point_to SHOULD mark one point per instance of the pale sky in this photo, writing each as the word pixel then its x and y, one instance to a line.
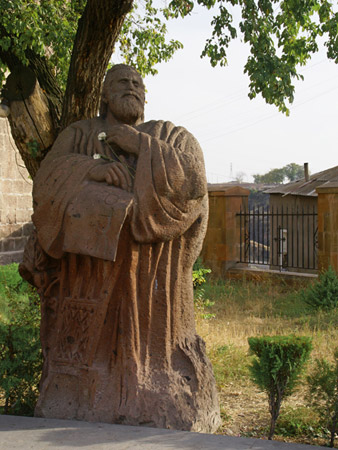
pixel 235 133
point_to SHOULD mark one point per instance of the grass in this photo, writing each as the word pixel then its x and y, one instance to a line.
pixel 245 308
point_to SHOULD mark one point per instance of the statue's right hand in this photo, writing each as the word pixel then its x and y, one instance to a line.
pixel 115 174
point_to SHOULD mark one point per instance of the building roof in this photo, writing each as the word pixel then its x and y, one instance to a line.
pixel 252 186
pixel 306 188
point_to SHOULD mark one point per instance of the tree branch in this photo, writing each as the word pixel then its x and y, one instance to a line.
pixel 97 32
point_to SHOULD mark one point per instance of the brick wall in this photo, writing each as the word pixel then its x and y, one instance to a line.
pixel 328 226
pixel 15 199
pixel 221 247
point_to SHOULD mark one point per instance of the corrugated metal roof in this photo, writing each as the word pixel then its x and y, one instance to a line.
pixel 306 188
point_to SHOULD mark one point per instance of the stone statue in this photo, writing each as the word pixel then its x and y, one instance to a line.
pixel 120 211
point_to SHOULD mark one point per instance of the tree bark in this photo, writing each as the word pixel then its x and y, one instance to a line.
pixel 98 29
pixel 38 118
pixel 32 128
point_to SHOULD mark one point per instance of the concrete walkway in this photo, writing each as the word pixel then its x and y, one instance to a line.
pixel 26 433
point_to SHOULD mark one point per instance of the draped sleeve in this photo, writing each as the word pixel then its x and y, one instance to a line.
pixel 72 213
pixel 170 185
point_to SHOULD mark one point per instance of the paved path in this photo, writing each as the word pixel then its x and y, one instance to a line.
pixel 26 433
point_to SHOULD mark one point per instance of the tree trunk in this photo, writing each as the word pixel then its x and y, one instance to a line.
pixel 36 120
pixel 98 29
pixel 32 128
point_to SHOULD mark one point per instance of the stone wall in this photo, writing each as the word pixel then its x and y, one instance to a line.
pixel 221 247
pixel 328 226
pixel 15 199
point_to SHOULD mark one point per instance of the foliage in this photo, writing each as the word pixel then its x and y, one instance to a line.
pixel 323 294
pixel 323 392
pixel 48 28
pixel 281 35
pixel 290 172
pixel 20 350
pixel 200 300
pixel 300 421
pixel 277 366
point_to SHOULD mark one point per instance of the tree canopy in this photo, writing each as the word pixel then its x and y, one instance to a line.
pixel 290 172
pixel 68 44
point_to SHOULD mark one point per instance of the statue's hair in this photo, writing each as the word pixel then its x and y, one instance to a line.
pixel 103 104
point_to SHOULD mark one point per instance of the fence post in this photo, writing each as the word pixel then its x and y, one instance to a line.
pixel 328 226
pixel 221 246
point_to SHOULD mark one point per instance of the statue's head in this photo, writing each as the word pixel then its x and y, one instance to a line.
pixel 123 95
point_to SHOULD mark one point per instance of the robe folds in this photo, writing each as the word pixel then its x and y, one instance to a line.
pixel 113 270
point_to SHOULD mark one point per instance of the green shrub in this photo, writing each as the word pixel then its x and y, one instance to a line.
pixel 323 392
pixel 20 350
pixel 276 368
pixel 323 294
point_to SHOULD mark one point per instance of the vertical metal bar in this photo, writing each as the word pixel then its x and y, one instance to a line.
pixel 253 234
pixel 292 237
pixel 272 237
pixel 258 235
pixel 313 237
pixel 268 236
pixel 302 237
pixel 297 240
pixel 287 236
pixel 263 235
pixel 249 233
pixel 308 237
pixel 240 234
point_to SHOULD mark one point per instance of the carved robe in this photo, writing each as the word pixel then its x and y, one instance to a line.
pixel 117 330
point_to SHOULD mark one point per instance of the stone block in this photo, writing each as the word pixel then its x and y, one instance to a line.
pixel 23 215
pixel 28 228
pixel 10 257
pixel 24 201
pixel 20 243
pixel 8 245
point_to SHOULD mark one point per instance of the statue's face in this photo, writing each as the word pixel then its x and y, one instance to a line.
pixel 124 95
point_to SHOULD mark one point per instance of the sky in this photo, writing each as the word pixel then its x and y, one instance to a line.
pixel 239 136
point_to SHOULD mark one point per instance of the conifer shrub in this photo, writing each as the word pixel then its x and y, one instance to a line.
pixel 276 368
pixel 20 349
pixel 323 392
pixel 323 294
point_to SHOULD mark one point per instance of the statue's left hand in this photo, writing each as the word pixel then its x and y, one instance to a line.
pixel 125 137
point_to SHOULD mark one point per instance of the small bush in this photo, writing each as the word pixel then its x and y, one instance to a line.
pixel 323 392
pixel 323 294
pixel 277 366
pixel 20 350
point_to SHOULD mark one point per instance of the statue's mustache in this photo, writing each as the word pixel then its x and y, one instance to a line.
pixel 133 94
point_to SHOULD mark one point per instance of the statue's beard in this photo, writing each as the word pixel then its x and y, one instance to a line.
pixel 127 109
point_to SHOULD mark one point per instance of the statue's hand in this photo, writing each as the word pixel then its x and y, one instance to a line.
pixel 125 137
pixel 115 174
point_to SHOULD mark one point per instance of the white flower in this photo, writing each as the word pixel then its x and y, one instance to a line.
pixel 96 156
pixel 102 136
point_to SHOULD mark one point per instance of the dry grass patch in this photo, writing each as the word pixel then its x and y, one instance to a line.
pixel 243 309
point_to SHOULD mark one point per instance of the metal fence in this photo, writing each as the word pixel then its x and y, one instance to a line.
pixel 280 238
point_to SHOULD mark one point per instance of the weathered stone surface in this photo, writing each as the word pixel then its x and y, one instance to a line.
pixel 112 256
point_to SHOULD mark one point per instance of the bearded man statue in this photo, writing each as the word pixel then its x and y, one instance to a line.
pixel 120 212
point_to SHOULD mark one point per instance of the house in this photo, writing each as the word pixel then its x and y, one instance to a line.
pixel 293 221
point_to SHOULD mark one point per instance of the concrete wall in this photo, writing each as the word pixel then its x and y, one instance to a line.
pixel 15 199
pixel 221 248
pixel 328 226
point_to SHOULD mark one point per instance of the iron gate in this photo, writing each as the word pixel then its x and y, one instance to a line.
pixel 280 238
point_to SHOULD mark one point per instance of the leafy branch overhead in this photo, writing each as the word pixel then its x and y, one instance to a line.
pixel 67 46
pixel 281 35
